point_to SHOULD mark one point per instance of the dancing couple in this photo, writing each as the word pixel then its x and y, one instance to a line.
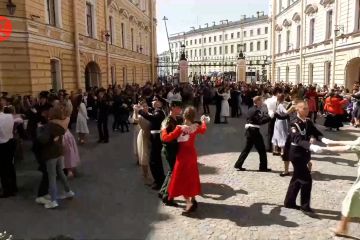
pixel 183 179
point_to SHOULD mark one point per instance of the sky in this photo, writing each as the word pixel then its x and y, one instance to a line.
pixel 184 14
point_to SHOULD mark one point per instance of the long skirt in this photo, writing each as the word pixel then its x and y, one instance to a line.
pixel 71 152
pixel 333 121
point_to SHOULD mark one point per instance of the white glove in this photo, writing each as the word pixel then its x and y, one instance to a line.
pixel 326 141
pixel 356 142
pixel 205 118
pixel 316 148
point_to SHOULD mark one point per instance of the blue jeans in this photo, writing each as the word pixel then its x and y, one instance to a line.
pixel 55 167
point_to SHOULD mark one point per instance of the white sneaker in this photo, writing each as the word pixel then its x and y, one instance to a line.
pixel 67 195
pixel 43 200
pixel 51 205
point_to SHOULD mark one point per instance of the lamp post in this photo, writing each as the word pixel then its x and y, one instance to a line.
pixel 11 7
pixel 171 55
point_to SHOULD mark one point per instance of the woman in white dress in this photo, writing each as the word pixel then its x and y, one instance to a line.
pixel 81 120
pixel 143 142
pixel 225 108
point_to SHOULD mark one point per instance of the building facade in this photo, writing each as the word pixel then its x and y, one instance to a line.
pixel 77 44
pixel 316 41
pixel 215 49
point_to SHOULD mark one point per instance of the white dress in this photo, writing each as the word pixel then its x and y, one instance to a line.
pixel 280 128
pixel 81 120
pixel 225 108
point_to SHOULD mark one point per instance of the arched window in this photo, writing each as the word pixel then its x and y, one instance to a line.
pixel 55 68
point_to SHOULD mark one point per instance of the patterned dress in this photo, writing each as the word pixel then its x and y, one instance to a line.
pixel 351 203
pixel 280 128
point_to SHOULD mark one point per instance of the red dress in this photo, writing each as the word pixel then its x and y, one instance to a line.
pixel 185 179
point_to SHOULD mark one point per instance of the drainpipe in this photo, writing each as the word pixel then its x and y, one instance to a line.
pixel 273 20
pixel 334 45
pixel 77 46
pixel 301 80
pixel 108 74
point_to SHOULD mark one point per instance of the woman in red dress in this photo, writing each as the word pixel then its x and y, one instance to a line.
pixel 185 179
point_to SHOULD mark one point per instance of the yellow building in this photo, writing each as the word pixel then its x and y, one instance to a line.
pixel 77 44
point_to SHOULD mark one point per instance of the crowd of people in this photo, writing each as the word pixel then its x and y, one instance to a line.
pixel 164 119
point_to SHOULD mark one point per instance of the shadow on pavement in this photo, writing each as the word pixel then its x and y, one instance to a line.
pixel 337 161
pixel 207 170
pixel 318 176
pixel 219 192
pixel 243 216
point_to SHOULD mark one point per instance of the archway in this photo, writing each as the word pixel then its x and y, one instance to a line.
pixel 92 75
pixel 352 72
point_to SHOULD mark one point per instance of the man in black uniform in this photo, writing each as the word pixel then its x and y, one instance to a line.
pixel 256 117
pixel 156 118
pixel 103 116
pixel 170 149
pixel 300 142
pixel 218 100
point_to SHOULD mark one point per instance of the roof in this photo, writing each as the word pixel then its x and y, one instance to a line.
pixel 220 26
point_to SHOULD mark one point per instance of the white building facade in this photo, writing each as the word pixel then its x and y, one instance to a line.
pixel 215 49
pixel 316 42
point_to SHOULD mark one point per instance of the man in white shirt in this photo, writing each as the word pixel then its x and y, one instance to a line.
pixel 271 104
pixel 7 151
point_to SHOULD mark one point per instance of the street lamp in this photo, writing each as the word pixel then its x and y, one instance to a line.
pixel 107 36
pixel 11 7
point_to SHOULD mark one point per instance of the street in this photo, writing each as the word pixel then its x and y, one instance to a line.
pixel 113 203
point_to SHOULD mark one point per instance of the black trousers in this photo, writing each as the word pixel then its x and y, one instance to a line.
pixel 271 133
pixel 103 129
pixel 206 107
pixel 301 180
pixel 116 122
pixel 217 113
pixel 253 138
pixel 7 168
pixel 155 164
pixel 164 189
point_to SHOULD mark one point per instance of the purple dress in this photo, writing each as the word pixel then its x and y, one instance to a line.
pixel 71 152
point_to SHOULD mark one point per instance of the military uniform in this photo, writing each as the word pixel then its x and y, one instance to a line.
pixel 170 150
pixel 155 162
pixel 297 150
pixel 256 117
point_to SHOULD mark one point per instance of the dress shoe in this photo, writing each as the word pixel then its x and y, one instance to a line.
pixel 284 174
pixel 241 169
pixel 170 203
pixel 296 207
pixel 265 170
pixel 307 211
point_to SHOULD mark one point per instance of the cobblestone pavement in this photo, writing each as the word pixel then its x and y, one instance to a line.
pixel 113 203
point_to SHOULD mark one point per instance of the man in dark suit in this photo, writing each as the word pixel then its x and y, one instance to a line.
pixel 103 115
pixel 218 100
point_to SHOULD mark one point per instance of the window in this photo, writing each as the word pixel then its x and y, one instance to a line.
pixel 232 49
pixel 199 40
pixel 214 38
pixel 186 43
pixel 280 6
pixel 266 45
pixel 195 41
pixel 89 20
pixel 258 31
pixel 111 27
pixel 279 43
pixel 209 39
pixel 266 30
pixel 311 73
pixel 287 74
pixel 195 53
pixel 244 33
pixel 238 34
pixel 251 47
pixel 232 35
pixel 209 51
pixel 220 37
pixel 278 74
pixel 113 77
pixel 55 69
pixel 258 46
pixel 220 50
pixel 297 74
pixel 357 14
pixel 191 53
pixel 226 49
pixel 204 51
pixel 329 23
pixel 199 52
pixel 298 34
pixel 244 47
pixel 327 72
pixel 215 51
pixel 238 48
pixel 288 40
pixel 190 42
pixel 132 39
pixel 226 37
pixel 312 31
pixel 204 40
pixel 123 36
pixel 51 12
pixel 251 33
